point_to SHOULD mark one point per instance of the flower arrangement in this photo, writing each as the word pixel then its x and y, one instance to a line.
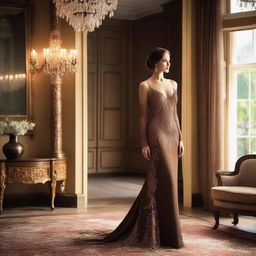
pixel 9 126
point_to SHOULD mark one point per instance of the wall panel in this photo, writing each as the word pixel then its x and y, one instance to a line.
pixel 114 48
pixel 92 157
pixel 92 114
pixel 111 125
pixel 108 104
pixel 112 90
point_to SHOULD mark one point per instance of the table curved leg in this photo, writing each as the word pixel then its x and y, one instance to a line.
pixel 53 185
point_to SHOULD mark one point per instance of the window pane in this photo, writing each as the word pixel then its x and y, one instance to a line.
pixel 236 7
pixel 243 46
pixel 243 85
pixel 253 146
pixel 242 146
pixel 253 118
pixel 253 84
pixel 243 118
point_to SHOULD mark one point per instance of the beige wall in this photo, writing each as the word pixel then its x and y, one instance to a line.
pixel 189 101
pixel 39 144
pixel 68 110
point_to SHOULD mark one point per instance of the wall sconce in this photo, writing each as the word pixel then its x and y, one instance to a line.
pixel 55 62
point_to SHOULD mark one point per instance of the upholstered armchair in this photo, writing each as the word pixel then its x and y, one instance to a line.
pixel 236 191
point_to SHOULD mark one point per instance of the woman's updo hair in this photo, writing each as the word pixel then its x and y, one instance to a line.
pixel 154 56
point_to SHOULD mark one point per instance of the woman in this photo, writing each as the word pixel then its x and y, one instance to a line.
pixel 153 219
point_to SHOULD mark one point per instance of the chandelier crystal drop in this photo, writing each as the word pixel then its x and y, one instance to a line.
pixel 85 15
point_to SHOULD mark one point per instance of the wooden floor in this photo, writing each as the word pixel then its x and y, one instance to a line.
pixel 112 193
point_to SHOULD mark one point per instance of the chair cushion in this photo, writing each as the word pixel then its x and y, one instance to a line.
pixel 237 194
pixel 232 206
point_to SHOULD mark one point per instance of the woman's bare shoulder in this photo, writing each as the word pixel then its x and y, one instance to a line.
pixel 173 83
pixel 145 84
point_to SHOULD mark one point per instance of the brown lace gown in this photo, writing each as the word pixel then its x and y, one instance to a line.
pixel 153 219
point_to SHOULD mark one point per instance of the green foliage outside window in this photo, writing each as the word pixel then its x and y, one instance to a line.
pixel 246 112
pixel 242 85
pixel 242 146
pixel 253 118
pixel 253 84
pixel 243 118
pixel 253 145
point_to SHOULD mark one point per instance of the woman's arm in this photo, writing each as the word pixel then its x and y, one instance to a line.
pixel 175 88
pixel 178 123
pixel 181 145
pixel 143 118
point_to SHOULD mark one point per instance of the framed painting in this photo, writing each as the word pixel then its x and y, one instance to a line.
pixel 15 45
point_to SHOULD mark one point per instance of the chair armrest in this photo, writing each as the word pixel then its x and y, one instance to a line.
pixel 232 178
pixel 227 178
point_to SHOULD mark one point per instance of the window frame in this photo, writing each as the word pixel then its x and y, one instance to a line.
pixel 232 111
pixel 232 22
pixel 227 9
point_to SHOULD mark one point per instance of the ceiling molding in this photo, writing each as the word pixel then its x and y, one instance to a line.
pixel 136 9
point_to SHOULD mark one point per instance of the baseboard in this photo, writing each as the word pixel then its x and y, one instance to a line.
pixel 66 200
pixel 197 200
pixel 41 199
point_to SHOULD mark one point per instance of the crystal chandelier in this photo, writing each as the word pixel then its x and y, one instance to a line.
pixel 85 15
pixel 56 60
pixel 245 3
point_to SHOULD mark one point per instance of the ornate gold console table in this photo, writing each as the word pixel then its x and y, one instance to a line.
pixel 32 171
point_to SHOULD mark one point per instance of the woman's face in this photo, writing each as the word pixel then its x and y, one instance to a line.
pixel 163 65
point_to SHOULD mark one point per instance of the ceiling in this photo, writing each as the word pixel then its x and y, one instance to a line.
pixel 135 9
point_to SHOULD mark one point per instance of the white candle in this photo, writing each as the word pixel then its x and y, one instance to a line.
pixel 33 54
pixel 73 53
pixel 46 52
pixel 63 51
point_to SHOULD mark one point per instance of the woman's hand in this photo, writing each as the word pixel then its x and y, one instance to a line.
pixel 146 152
pixel 181 149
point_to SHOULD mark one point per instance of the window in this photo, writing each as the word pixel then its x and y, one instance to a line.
pixel 242 97
pixel 235 7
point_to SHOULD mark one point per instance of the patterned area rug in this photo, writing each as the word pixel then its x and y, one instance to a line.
pixel 64 234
